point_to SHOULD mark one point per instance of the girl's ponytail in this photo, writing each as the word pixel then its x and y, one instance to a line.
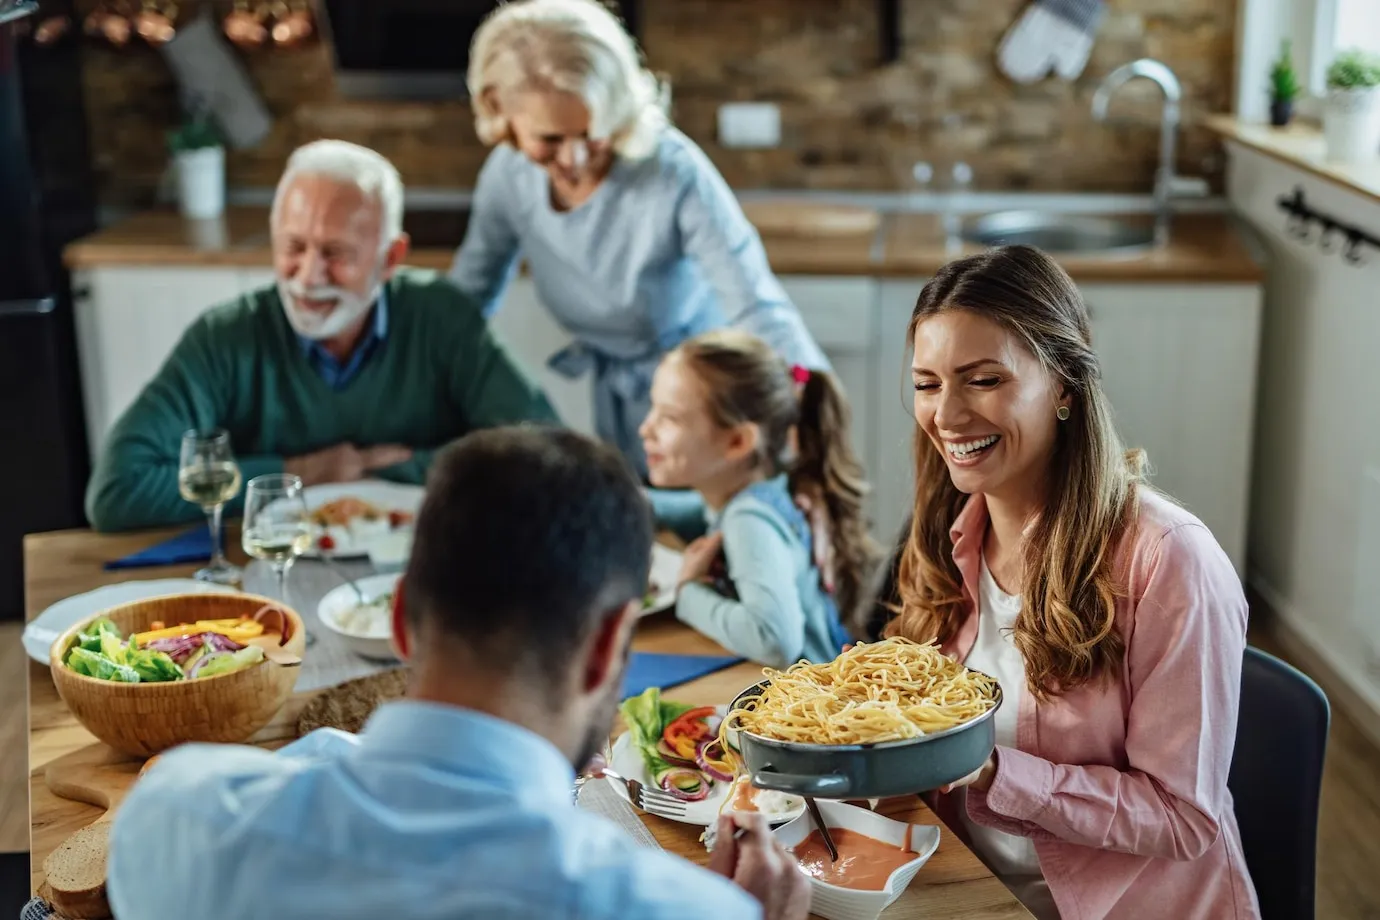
pixel 828 471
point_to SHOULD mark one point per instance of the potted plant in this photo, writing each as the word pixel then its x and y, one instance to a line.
pixel 1284 87
pixel 199 160
pixel 1351 119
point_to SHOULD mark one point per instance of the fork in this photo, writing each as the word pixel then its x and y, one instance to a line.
pixel 651 800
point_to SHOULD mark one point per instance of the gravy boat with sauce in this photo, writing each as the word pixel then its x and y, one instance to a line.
pixel 836 903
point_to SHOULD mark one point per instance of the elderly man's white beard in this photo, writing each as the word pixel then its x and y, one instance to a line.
pixel 349 308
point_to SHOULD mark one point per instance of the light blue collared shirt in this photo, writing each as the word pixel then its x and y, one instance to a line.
pixel 431 813
pixel 336 374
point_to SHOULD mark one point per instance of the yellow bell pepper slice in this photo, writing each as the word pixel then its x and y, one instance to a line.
pixel 238 630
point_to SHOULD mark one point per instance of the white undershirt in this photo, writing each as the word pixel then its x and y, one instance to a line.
pixel 994 653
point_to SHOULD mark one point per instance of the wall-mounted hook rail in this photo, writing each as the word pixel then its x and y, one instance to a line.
pixel 1332 235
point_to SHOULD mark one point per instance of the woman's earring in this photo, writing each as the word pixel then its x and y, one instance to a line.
pixel 1062 413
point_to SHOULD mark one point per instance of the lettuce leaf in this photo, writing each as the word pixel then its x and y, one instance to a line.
pixel 94 664
pixel 647 717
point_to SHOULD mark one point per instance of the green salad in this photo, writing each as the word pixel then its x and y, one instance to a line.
pixel 102 652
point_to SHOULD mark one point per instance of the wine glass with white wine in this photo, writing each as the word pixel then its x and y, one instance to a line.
pixel 277 528
pixel 207 475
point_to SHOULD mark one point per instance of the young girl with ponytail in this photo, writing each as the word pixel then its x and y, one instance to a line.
pixel 748 432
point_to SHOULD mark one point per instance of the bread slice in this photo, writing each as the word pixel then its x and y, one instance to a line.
pixel 349 705
pixel 75 874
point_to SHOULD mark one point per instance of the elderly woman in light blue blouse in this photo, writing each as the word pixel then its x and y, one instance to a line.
pixel 633 239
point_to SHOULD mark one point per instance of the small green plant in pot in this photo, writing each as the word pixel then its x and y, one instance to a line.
pixel 1351 120
pixel 199 160
pixel 1284 86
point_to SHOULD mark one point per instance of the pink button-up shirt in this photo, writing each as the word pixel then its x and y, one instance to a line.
pixel 1123 786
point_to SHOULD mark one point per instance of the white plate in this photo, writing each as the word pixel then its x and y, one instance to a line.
pixel 625 760
pixel 665 570
pixel 390 496
pixel 43 630
pixel 340 599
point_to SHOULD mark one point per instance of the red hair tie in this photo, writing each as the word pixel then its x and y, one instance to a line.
pixel 800 374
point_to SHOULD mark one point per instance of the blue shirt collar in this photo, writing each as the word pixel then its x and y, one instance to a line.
pixel 510 757
pixel 334 372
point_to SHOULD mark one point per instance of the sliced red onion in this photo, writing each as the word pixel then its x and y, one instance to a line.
pixel 201 663
pixel 667 784
pixel 706 767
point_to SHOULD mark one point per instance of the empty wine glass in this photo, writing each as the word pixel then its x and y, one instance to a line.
pixel 208 476
pixel 277 528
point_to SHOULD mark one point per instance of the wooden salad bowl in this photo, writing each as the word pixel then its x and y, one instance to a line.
pixel 142 719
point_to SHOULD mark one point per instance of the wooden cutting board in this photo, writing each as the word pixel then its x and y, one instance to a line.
pixel 97 775
pixel 807 219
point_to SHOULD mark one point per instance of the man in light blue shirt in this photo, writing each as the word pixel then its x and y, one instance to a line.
pixel 525 584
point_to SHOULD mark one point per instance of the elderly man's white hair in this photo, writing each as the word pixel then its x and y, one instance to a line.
pixel 574 46
pixel 367 169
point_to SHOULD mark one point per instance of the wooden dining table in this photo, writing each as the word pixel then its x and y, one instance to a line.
pixel 952 884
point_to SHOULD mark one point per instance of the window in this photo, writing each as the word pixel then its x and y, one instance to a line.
pixel 1338 25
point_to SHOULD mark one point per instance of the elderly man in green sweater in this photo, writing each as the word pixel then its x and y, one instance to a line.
pixel 349 367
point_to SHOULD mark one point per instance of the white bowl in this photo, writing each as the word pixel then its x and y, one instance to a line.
pixel 342 599
pixel 835 903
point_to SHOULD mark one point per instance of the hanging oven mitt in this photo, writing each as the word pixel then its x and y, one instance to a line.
pixel 1050 35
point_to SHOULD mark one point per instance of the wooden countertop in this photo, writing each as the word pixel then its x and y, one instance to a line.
pixel 799 239
pixel 953 883
pixel 1302 146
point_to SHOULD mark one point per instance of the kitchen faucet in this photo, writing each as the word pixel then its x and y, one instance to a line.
pixel 1166 182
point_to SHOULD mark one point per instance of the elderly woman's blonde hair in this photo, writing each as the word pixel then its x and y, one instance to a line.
pixel 573 46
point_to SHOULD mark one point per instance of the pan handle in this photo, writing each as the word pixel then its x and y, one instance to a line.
pixel 823 787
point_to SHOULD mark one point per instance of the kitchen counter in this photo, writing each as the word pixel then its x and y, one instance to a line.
pixel 1300 146
pixel 800 239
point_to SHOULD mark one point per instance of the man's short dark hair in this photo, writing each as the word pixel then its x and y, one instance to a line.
pixel 527 536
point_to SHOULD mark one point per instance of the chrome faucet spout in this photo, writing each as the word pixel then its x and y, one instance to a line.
pixel 1164 78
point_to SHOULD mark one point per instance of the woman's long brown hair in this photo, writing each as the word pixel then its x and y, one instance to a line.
pixel 745 381
pixel 1066 630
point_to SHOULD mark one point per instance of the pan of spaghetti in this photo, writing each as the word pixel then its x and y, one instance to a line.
pixel 884 718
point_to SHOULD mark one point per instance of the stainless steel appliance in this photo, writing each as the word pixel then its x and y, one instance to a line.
pixel 47 199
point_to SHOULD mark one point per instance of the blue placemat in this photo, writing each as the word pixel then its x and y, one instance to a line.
pixel 649 669
pixel 192 546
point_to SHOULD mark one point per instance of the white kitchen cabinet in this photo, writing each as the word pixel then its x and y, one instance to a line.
pixel 128 318
pixel 1179 367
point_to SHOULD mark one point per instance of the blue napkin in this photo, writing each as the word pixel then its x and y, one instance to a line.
pixel 649 669
pixel 192 546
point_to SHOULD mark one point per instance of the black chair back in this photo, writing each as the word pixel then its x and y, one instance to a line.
pixel 1275 780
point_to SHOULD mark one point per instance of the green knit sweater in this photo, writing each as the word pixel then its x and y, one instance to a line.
pixel 438 374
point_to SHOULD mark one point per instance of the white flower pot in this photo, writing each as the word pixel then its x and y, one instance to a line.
pixel 201 182
pixel 1351 124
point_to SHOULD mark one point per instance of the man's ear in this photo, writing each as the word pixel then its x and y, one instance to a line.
pixel 394 255
pixel 607 645
pixel 401 640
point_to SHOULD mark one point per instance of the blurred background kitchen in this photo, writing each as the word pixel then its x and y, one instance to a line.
pixel 870 140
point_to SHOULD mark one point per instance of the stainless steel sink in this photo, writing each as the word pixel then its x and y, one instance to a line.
pixel 1060 233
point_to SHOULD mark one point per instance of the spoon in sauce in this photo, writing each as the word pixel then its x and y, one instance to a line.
pixel 823 829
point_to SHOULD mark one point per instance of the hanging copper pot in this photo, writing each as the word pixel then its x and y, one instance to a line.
pixel 110 22
pixel 293 23
pixel 244 26
pixel 52 29
pixel 156 22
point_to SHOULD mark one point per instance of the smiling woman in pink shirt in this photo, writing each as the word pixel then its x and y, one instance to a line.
pixel 1109 614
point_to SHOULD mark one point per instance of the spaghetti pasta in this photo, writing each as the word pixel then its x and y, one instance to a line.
pixel 891 690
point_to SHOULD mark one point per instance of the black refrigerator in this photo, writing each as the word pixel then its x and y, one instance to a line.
pixel 47 200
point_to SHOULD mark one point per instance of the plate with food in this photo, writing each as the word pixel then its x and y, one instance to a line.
pixel 354 519
pixel 43 630
pixel 661 582
pixel 367 626
pixel 675 747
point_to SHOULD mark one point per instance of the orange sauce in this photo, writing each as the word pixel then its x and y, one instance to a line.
pixel 864 864
pixel 743 795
